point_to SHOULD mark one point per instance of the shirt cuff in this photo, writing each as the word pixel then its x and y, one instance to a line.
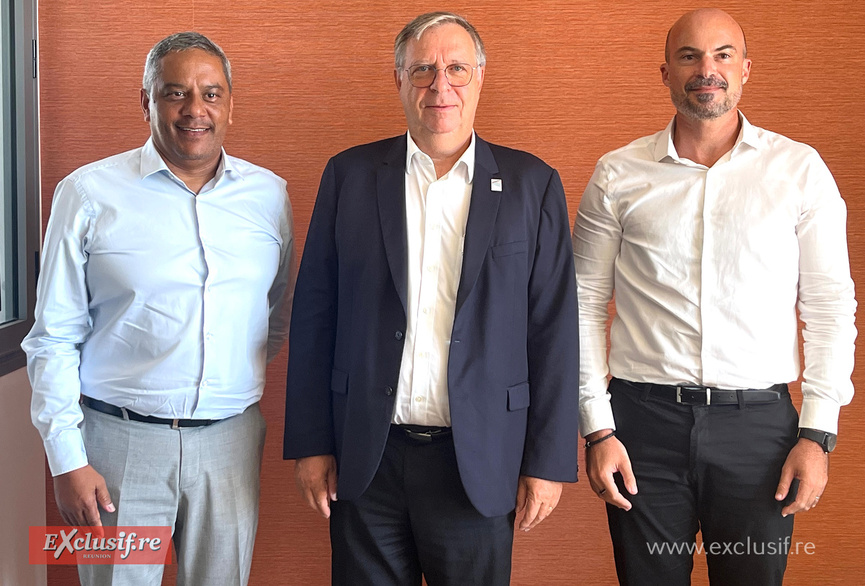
pixel 820 414
pixel 66 452
pixel 595 414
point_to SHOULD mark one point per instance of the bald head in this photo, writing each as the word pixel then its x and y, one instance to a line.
pixel 706 66
pixel 703 19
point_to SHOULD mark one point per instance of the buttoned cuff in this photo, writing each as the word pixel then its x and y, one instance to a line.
pixel 821 414
pixel 66 452
pixel 596 413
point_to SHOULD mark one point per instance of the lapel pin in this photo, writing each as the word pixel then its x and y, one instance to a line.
pixel 495 184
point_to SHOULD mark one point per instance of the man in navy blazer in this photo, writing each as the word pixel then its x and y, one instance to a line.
pixel 433 361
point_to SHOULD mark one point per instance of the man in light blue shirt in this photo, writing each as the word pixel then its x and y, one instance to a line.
pixel 167 276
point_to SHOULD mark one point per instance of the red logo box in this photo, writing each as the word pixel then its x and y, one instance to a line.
pixel 100 545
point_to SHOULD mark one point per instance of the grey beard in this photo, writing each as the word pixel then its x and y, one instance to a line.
pixel 705 108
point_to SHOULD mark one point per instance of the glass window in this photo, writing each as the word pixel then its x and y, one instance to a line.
pixel 19 177
pixel 8 302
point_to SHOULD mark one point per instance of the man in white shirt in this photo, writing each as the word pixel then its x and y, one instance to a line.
pixel 429 373
pixel 712 233
pixel 166 286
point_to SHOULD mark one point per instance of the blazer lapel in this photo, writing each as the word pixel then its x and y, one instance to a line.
pixel 390 184
pixel 483 209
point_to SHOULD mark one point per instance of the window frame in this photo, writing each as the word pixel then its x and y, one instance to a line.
pixel 20 44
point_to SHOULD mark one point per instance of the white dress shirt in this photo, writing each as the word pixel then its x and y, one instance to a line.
pixel 436 211
pixel 708 265
pixel 157 300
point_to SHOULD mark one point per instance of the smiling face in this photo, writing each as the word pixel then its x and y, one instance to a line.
pixel 189 110
pixel 706 65
pixel 440 117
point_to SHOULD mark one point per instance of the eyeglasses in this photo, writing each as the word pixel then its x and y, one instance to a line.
pixel 457 74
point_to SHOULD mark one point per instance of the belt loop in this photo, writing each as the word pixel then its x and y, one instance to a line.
pixel 740 397
pixel 174 424
pixel 125 414
pixel 647 390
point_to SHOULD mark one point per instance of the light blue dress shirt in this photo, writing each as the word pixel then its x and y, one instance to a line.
pixel 156 299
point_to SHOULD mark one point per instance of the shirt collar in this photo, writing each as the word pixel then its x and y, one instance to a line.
pixel 748 135
pixel 152 162
pixel 665 148
pixel 467 158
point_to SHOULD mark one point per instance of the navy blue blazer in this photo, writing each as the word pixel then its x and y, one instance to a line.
pixel 513 366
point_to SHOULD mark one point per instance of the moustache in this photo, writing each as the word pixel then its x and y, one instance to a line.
pixel 706 82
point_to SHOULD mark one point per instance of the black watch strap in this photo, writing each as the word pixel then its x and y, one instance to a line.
pixel 826 440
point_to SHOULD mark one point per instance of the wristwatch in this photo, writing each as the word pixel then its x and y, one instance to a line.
pixel 824 438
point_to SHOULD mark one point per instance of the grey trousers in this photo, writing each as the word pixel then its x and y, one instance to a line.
pixel 203 482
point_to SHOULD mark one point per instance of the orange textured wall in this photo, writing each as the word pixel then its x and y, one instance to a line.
pixel 567 80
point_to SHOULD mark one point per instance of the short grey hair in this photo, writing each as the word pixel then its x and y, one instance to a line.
pixel 416 28
pixel 180 42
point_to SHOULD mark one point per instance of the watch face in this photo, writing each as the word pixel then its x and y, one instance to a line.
pixel 831 440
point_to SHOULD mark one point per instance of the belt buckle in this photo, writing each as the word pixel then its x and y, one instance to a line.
pixel 421 436
pixel 688 388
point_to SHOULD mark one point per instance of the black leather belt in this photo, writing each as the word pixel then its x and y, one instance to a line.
pixel 422 433
pixel 697 395
pixel 123 413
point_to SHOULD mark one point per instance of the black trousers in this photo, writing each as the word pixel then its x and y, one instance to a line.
pixel 712 469
pixel 416 520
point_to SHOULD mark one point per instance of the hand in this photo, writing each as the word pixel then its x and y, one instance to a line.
pixel 536 499
pixel 316 480
pixel 79 494
pixel 810 464
pixel 604 460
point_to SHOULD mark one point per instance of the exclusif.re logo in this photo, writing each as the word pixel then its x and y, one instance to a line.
pixel 100 545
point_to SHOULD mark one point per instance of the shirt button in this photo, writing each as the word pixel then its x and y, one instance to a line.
pixel 425 310
pixel 208 336
pixel 388 391
pixel 418 399
pixel 398 335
